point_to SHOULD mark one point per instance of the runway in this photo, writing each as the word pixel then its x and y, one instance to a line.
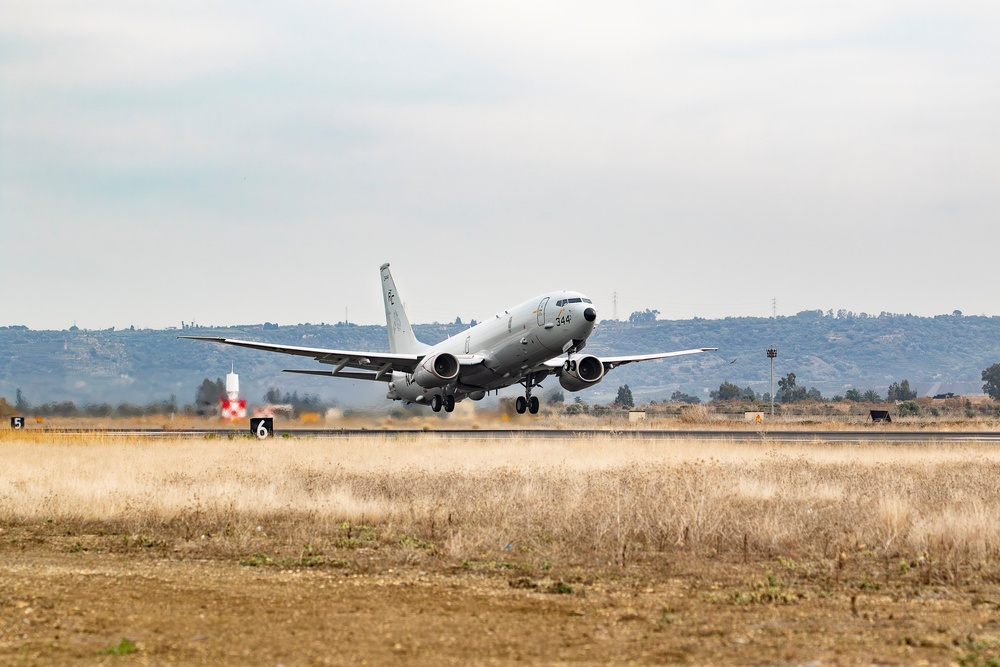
pixel 777 436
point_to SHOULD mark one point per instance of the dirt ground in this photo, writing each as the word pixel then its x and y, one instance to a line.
pixel 74 599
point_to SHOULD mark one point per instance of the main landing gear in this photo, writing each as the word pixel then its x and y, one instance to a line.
pixel 438 401
pixel 527 403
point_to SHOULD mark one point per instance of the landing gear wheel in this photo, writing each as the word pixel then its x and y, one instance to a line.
pixel 449 403
pixel 436 403
pixel 533 405
pixel 521 404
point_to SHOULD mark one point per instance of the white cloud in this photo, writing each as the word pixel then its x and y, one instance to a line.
pixel 555 144
pixel 139 44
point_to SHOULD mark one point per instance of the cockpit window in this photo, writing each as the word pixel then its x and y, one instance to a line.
pixel 576 299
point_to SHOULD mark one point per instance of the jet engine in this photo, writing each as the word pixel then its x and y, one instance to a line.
pixel 436 371
pixel 581 372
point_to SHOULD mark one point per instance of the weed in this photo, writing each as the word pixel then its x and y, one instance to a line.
pixel 980 653
pixel 124 647
pixel 668 614
pixel 523 583
pixel 867 584
pixel 257 560
pixel 769 591
pixel 411 542
pixel 304 560
pixel 559 588
pixel 354 536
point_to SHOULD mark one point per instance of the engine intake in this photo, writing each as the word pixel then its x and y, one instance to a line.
pixel 581 372
pixel 436 371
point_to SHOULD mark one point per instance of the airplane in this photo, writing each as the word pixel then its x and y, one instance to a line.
pixel 524 345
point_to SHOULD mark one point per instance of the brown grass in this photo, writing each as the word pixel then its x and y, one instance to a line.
pixel 602 501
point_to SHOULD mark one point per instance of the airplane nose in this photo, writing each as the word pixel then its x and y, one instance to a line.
pixel 590 314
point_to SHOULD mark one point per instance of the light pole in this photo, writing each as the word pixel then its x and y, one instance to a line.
pixel 771 354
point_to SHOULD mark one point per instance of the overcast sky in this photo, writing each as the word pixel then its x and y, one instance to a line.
pixel 236 162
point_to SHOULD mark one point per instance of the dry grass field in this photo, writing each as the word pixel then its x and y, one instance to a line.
pixel 422 550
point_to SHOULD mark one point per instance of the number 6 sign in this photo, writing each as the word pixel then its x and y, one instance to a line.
pixel 262 427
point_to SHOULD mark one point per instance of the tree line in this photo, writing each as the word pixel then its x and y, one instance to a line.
pixel 789 391
pixel 206 403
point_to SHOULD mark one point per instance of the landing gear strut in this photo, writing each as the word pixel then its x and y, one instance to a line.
pixel 447 402
pixel 527 403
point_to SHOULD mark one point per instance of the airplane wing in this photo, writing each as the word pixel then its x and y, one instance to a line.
pixel 614 362
pixel 379 362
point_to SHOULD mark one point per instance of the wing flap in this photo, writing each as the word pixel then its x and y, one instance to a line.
pixel 350 375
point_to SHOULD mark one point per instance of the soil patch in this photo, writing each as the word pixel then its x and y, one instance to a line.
pixel 65 603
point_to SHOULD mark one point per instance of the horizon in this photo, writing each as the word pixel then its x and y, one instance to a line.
pixel 822 314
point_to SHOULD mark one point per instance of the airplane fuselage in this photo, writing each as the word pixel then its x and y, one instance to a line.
pixel 508 345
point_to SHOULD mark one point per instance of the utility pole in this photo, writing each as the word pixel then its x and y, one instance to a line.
pixel 614 306
pixel 771 354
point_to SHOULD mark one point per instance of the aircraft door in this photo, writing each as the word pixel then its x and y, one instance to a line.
pixel 541 311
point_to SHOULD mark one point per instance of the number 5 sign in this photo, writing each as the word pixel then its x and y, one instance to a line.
pixel 17 423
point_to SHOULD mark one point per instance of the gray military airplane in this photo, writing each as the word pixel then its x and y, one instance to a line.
pixel 524 345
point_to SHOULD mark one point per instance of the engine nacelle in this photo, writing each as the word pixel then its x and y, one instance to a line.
pixel 581 372
pixel 436 371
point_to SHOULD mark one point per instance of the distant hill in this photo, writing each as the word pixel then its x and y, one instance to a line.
pixel 936 354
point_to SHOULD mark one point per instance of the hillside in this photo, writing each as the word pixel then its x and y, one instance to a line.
pixel 944 353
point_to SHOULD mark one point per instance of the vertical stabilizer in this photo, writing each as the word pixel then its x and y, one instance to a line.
pixel 401 338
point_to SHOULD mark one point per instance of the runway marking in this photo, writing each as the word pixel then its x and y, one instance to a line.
pixel 829 437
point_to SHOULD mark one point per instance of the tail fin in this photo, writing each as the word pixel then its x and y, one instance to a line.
pixel 401 338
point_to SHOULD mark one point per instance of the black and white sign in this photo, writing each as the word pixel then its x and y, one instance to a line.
pixel 17 423
pixel 262 427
